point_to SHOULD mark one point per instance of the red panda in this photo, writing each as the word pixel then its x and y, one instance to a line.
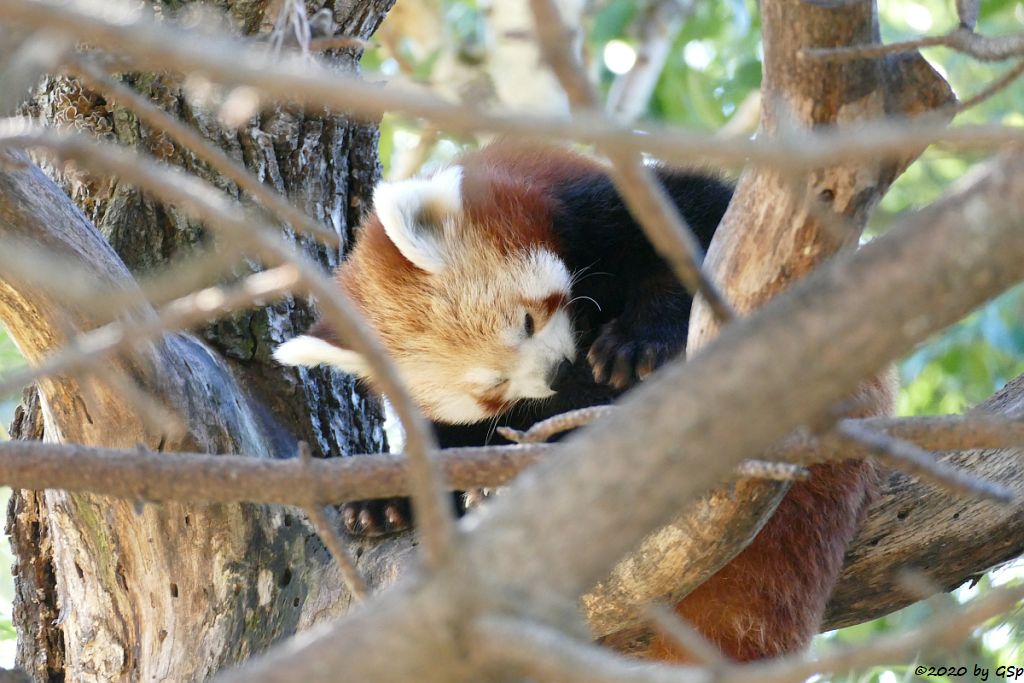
pixel 512 286
pixel 515 285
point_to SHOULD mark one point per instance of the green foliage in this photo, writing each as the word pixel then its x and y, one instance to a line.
pixel 713 67
pixel 9 360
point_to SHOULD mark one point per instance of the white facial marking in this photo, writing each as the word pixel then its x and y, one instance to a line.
pixel 539 355
pixel 402 207
pixel 546 274
pixel 485 378
pixel 459 408
pixel 311 351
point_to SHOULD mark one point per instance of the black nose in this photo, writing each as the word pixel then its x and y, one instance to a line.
pixel 560 375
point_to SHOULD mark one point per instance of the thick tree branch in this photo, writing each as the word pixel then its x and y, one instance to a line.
pixel 196 477
pixel 851 314
pixel 162 47
pixel 204 203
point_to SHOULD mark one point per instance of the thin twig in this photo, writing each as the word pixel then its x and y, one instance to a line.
pixel 915 460
pixel 339 43
pixel 159 120
pixel 952 432
pixel 997 86
pixel 545 429
pixel 661 221
pixel 162 46
pixel 332 539
pixel 89 348
pixel 985 48
pixel 772 471
pixel 197 198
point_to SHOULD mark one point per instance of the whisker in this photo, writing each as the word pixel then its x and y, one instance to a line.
pixel 584 298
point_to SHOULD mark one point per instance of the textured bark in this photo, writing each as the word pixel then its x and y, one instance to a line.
pixel 948 539
pixel 176 592
pixel 777 229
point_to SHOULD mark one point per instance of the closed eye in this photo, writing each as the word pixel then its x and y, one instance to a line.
pixel 528 326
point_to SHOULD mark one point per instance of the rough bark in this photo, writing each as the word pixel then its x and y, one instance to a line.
pixel 533 552
pixel 176 592
pixel 948 539
pixel 805 220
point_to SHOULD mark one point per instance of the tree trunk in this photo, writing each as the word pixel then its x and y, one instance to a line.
pixel 111 590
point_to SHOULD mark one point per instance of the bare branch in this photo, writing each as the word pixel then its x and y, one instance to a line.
pixel 647 201
pixel 88 349
pixel 549 655
pixel 967 10
pixel 162 46
pixel 774 471
pixel 159 120
pixel 997 86
pixel 331 539
pixel 198 477
pixel 545 429
pixel 915 460
pixel 962 39
pixel 630 92
pixel 197 198
pixel 339 43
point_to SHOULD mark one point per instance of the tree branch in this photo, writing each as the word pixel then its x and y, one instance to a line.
pixel 961 39
pixel 665 228
pixel 162 47
pixel 198 199
pixel 754 375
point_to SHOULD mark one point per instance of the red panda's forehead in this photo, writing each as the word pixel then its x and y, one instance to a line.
pixel 513 213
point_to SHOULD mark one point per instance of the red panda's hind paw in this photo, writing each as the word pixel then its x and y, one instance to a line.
pixel 620 360
pixel 378 517
pixel 383 516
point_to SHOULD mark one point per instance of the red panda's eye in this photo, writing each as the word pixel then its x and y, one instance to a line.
pixel 528 325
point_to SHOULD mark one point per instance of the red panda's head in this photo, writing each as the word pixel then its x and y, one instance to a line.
pixel 459 276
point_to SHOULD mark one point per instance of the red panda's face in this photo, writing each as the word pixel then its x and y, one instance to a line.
pixel 473 323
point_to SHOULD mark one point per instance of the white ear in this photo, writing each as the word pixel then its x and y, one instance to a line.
pixel 414 212
pixel 312 351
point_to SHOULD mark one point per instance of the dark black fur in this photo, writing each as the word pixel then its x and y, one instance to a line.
pixel 628 309
pixel 642 304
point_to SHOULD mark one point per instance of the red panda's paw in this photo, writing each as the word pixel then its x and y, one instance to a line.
pixel 383 516
pixel 620 359
pixel 376 517
pixel 473 498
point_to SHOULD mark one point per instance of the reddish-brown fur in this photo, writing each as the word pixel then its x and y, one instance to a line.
pixel 770 599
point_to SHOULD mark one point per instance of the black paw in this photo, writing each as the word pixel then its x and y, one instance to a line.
pixel 383 516
pixel 621 358
pixel 377 517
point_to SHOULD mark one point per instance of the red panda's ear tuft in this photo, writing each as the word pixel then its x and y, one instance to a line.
pixel 312 351
pixel 415 215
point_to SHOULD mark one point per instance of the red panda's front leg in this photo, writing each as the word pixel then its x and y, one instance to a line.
pixel 650 331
